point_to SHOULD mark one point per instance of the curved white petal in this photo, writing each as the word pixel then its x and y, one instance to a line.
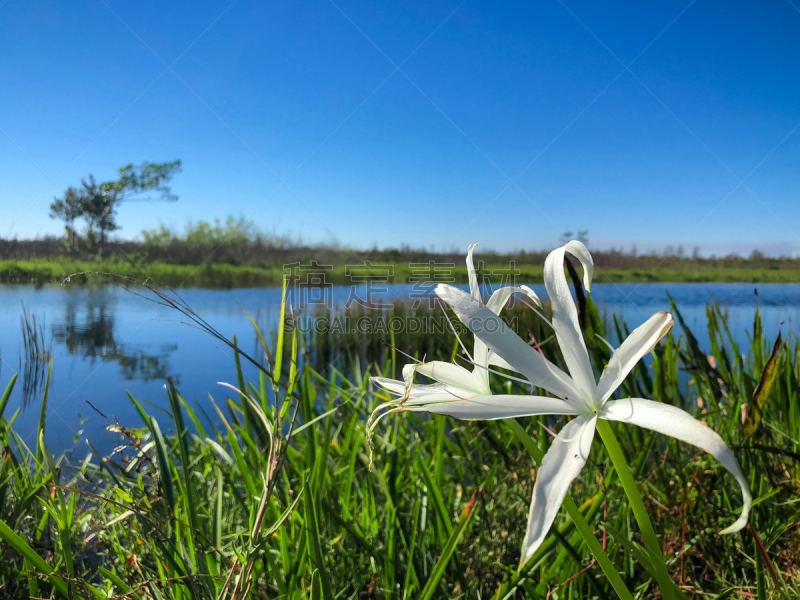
pixel 480 355
pixel 679 424
pixel 417 390
pixel 565 315
pixel 532 295
pixel 489 408
pixel 390 385
pixel 639 343
pixel 496 303
pixel 452 375
pixel 579 251
pixel 562 463
pixel 474 288
pixel 491 330
pixel 501 295
pixel 442 396
pixel 480 351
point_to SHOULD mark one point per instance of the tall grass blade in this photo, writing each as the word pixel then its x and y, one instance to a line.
pixel 115 579
pixel 652 545
pixel 7 395
pixel 164 465
pixel 761 394
pixel 314 544
pixel 449 548
pixel 278 367
pixel 21 546
pixel 43 418
pixel 640 555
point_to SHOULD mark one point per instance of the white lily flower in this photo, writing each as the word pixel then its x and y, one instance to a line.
pixel 459 392
pixel 577 393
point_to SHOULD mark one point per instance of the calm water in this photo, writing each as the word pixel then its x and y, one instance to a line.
pixel 106 340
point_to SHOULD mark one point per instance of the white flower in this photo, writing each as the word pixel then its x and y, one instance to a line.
pixel 460 392
pixel 577 393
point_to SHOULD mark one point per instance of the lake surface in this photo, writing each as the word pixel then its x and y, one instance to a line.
pixel 106 340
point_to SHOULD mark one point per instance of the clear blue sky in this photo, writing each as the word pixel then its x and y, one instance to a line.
pixel 430 123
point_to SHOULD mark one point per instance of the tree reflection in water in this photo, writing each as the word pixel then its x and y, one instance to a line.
pixel 88 331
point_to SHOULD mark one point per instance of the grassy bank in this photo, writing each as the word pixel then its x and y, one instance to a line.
pixel 212 275
pixel 268 492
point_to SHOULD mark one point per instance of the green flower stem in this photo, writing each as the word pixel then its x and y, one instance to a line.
pixel 577 517
pixel 645 526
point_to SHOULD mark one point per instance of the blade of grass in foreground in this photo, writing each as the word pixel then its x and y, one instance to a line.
pixel 762 393
pixel 449 548
pixel 620 463
pixel 575 514
pixel 316 586
pixel 279 347
pixel 21 546
pixel 315 545
pixel 640 554
pixel 114 578
pixel 7 395
pixel 43 421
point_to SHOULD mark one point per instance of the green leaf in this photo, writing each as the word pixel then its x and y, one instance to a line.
pixel 292 374
pixel 145 417
pixel 218 510
pixel 438 501
pixel 449 548
pixel 244 470
pixel 761 395
pixel 43 419
pixel 276 372
pixel 21 546
pixel 316 585
pixel 7 394
pixel 258 332
pixel 115 579
pixel 164 464
pixel 652 545
pixel 315 545
pixel 314 420
pixel 190 495
pixel 640 555
pixel 47 457
pixel 761 580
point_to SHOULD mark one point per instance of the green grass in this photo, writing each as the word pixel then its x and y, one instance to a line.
pixel 223 275
pixel 267 492
pixel 40 272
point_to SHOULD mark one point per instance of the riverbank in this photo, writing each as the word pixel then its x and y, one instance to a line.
pixel 213 275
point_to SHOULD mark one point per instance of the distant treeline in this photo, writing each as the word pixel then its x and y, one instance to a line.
pixel 224 244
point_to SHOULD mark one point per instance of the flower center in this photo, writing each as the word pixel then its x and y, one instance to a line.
pixel 593 404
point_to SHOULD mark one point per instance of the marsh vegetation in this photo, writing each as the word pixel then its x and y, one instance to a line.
pixel 266 489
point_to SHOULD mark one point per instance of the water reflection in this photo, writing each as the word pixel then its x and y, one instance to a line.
pixel 88 331
pixel 34 374
pixel 34 356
